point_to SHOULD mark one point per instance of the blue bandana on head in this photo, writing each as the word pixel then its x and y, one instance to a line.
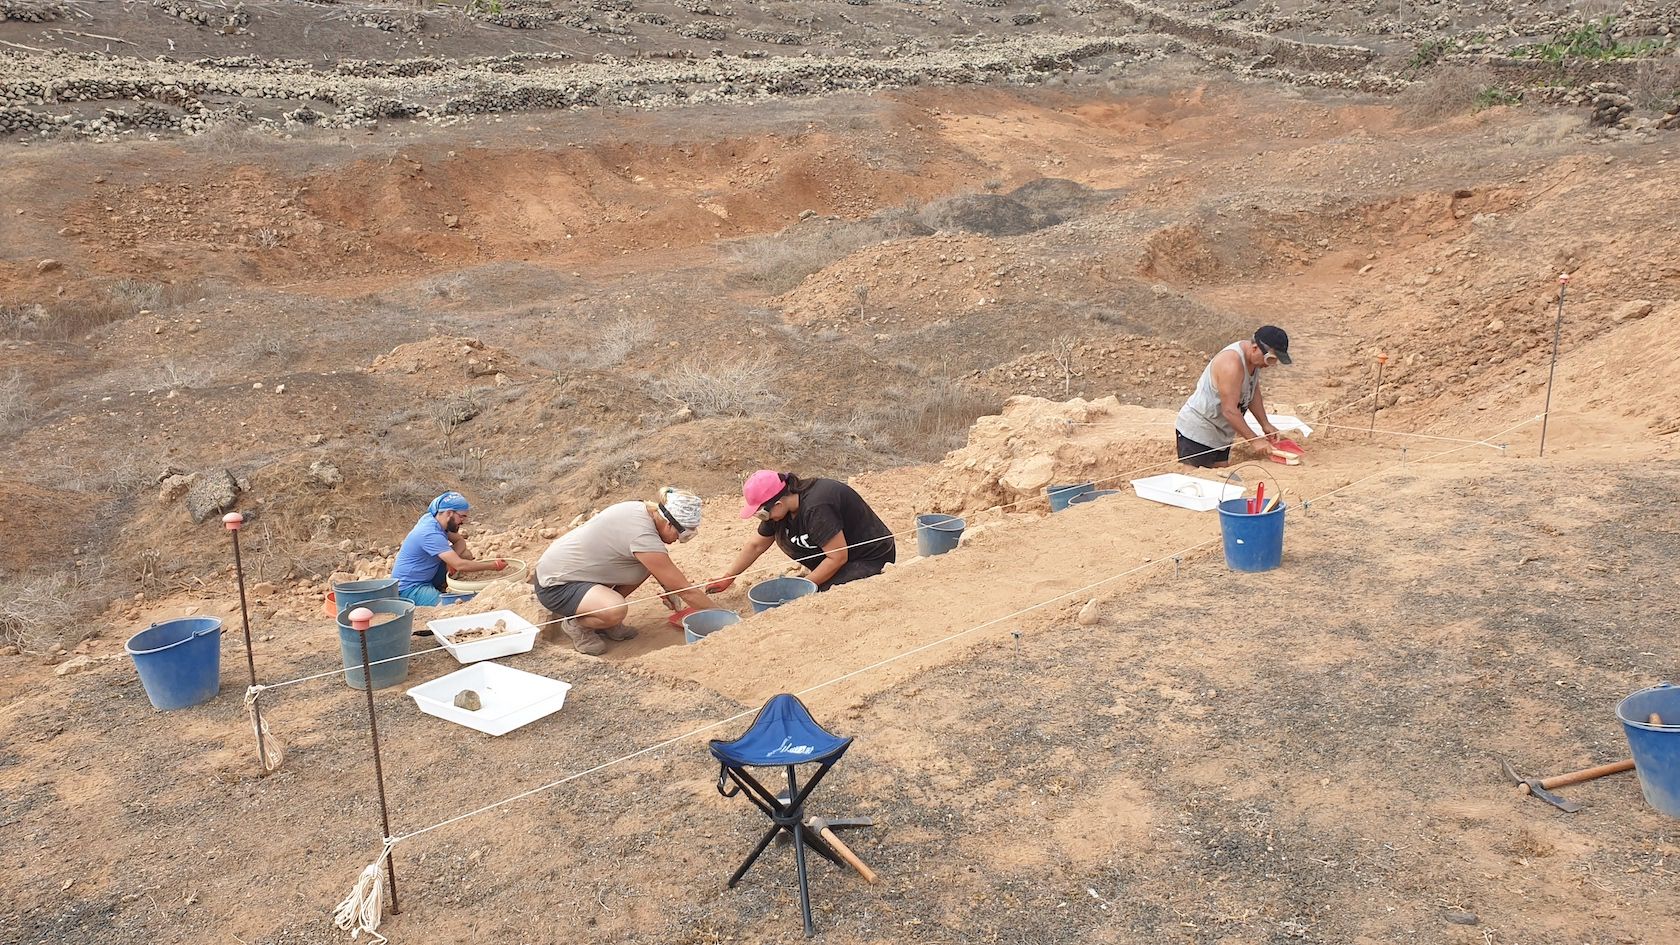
pixel 448 502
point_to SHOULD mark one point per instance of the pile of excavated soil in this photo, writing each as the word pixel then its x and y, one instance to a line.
pixel 448 362
pixel 1152 373
pixel 1034 443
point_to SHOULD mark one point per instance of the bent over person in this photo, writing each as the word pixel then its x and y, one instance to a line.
pixel 587 574
pixel 1229 387
pixel 822 524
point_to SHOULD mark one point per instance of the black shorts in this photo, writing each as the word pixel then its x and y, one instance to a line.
pixel 856 570
pixel 566 597
pixel 1191 453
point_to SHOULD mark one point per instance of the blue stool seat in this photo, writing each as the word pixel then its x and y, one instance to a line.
pixel 782 735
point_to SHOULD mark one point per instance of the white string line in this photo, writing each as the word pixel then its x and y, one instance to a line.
pixel 1421 436
pixel 1160 559
pixel 1320 424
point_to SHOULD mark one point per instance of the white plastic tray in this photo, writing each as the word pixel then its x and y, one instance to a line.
pixel 1186 492
pixel 1283 422
pixel 509 697
pixel 520 639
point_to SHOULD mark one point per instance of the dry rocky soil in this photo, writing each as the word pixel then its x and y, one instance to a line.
pixel 318 261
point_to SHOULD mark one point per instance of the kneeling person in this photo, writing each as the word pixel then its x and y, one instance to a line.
pixel 587 574
pixel 821 523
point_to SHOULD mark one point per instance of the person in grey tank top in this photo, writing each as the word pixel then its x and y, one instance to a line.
pixel 1212 418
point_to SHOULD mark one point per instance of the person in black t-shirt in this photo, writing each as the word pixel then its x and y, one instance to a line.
pixel 821 523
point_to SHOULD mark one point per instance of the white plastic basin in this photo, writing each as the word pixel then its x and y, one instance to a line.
pixel 1186 492
pixel 521 637
pixel 508 697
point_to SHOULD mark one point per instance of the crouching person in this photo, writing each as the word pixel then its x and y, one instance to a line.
pixel 587 575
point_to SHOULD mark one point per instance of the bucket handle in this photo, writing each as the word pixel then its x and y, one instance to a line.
pixel 218 625
pixel 1263 470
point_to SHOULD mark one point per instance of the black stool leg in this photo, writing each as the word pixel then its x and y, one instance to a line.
pixel 750 860
pixel 804 884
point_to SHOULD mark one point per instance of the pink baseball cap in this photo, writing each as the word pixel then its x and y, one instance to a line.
pixel 760 487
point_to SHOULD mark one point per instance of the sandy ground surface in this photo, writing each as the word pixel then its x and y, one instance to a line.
pixel 1221 757
pixel 561 309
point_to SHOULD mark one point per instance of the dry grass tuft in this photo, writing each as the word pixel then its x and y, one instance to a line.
pixel 17 410
pixel 925 422
pixel 40 613
pixel 1449 91
pixel 714 387
pixel 68 321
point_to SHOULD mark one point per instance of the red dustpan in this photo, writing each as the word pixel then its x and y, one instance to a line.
pixel 676 617
pixel 1289 446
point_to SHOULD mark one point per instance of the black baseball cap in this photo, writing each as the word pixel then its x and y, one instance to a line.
pixel 1275 340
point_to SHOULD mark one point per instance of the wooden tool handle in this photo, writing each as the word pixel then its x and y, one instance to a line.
pixel 847 855
pixel 1587 774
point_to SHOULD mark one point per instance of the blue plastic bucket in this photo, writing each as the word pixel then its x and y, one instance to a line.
pixel 1092 496
pixel 180 661
pixel 1060 496
pixel 1252 542
pixel 776 592
pixel 937 534
pixel 1656 748
pixel 385 642
pixel 351 593
pixel 702 623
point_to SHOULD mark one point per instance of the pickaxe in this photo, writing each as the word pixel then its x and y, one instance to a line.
pixel 1542 787
pixel 825 830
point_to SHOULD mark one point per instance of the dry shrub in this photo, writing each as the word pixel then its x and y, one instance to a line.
pixel 283 547
pixel 118 475
pixel 925 422
pixel 43 611
pixel 16 409
pixel 1653 87
pixel 1447 92
pixel 68 321
pixel 175 375
pixel 616 341
pixel 1545 130
pixel 230 138
pixel 716 387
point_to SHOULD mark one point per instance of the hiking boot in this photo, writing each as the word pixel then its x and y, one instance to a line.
pixel 588 642
pixel 620 633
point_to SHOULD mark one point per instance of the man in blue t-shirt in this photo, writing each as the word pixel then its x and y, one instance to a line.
pixel 434 549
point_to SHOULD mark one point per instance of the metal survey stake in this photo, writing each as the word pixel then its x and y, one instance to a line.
pixel 1376 395
pixel 232 521
pixel 360 620
pixel 1557 338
